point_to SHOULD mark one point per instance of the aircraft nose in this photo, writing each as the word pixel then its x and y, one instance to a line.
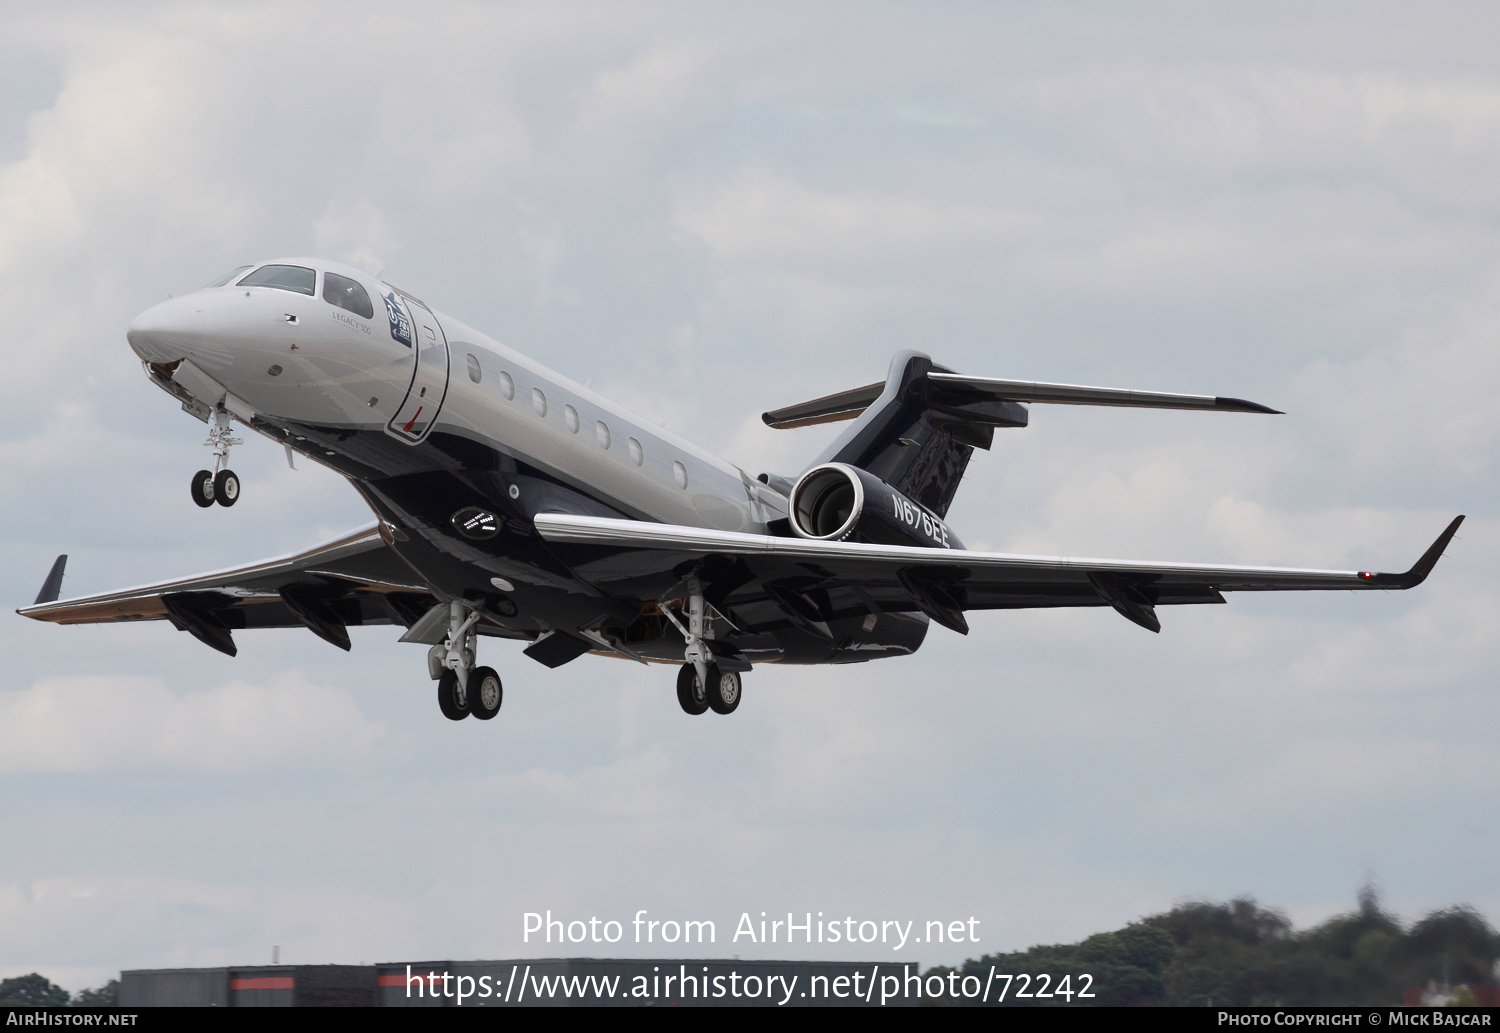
pixel 165 332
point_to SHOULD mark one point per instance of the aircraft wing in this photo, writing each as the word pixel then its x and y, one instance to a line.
pixel 353 579
pixel 817 580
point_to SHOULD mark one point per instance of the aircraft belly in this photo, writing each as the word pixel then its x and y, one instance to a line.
pixel 543 593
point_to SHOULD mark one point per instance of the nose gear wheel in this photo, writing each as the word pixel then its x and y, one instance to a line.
pixel 226 487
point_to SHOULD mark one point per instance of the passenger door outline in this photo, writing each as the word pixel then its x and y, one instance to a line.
pixel 429 381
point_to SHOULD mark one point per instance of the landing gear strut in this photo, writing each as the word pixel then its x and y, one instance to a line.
pixel 463 689
pixel 700 684
pixel 221 485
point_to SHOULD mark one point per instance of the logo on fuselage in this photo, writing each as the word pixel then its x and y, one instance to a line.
pixel 473 522
pixel 400 324
pixel 350 321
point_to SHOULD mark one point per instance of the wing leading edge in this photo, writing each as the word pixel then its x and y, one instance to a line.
pixel 941 583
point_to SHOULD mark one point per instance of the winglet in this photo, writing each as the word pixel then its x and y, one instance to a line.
pixel 1419 570
pixel 52 587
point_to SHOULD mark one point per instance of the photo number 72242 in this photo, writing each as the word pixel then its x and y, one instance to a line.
pixel 1045 986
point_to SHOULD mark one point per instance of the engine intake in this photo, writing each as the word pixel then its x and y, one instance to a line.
pixel 836 502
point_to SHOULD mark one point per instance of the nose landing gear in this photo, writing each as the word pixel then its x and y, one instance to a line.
pixel 221 485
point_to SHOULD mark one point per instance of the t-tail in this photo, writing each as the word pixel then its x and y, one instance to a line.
pixel 916 433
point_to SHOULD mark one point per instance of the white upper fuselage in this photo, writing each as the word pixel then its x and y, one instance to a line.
pixel 296 357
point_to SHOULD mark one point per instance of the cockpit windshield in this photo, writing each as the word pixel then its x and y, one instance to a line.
pixel 347 294
pixel 222 280
pixel 297 278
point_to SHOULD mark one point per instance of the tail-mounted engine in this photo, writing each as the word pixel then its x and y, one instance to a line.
pixel 836 502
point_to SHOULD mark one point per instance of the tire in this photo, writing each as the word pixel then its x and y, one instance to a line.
pixel 690 695
pixel 448 701
pixel 485 693
pixel 226 488
pixel 203 488
pixel 724 690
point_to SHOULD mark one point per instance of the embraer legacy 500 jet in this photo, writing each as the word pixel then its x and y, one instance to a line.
pixel 511 502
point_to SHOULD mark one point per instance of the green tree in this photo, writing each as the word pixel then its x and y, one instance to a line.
pixel 1237 952
pixel 1146 947
pixel 106 996
pixel 32 991
pixel 1453 944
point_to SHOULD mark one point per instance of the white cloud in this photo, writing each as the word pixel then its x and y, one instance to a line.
pixel 1321 776
pixel 101 723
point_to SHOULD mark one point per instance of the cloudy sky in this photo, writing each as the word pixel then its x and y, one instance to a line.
pixel 712 210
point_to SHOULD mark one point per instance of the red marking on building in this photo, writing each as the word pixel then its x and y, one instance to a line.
pixel 416 977
pixel 264 983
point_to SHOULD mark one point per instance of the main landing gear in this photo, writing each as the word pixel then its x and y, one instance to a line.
pixel 722 696
pixel 222 485
pixel 700 684
pixel 463 689
pixel 481 696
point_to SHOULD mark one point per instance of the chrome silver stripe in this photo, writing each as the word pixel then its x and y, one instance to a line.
pixel 557 527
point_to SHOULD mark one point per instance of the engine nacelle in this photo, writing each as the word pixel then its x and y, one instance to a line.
pixel 835 502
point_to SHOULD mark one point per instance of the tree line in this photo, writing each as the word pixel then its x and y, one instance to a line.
pixel 1202 953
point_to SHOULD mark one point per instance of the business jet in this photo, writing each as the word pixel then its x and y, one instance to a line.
pixel 511 502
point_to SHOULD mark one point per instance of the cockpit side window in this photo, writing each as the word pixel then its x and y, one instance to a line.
pixel 222 280
pixel 297 278
pixel 347 294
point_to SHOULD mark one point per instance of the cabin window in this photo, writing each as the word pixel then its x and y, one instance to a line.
pixel 474 371
pixel 347 294
pixel 637 454
pixel 296 278
pixel 570 417
pixel 679 472
pixel 539 401
pixel 507 385
pixel 222 280
pixel 603 432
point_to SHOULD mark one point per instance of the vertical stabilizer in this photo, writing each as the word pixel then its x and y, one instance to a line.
pixel 911 444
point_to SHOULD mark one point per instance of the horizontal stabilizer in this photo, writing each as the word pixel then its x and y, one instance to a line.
pixel 829 409
pixel 956 387
pixel 955 390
